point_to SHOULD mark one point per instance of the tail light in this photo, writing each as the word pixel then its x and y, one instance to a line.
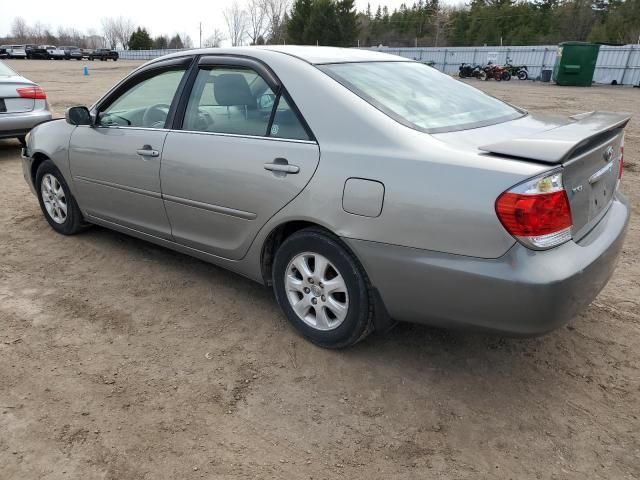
pixel 537 212
pixel 35 93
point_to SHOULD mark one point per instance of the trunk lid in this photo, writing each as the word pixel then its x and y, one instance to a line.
pixel 586 146
pixel 10 101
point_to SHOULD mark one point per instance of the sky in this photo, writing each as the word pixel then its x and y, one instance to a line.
pixel 158 19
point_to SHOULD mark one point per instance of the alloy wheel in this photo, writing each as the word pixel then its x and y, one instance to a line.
pixel 54 199
pixel 316 291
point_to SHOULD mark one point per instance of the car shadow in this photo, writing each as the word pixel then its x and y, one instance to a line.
pixel 402 343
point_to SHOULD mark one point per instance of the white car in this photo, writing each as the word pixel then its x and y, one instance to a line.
pixel 14 51
pixel 54 52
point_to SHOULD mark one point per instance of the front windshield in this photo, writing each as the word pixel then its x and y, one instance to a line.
pixel 420 96
pixel 5 71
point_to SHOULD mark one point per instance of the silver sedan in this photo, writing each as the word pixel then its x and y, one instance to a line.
pixel 23 104
pixel 364 188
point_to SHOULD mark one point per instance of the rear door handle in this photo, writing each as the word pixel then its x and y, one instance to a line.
pixel 281 168
pixel 147 151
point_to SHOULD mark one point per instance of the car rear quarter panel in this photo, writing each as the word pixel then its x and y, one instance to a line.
pixel 437 197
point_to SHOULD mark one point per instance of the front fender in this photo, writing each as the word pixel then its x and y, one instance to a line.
pixel 50 140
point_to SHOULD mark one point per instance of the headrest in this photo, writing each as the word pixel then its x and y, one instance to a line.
pixel 231 89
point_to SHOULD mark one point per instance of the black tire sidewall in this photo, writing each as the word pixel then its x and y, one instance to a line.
pixel 73 222
pixel 358 320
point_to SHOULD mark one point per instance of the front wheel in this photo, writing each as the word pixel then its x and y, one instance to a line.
pixel 56 201
pixel 322 289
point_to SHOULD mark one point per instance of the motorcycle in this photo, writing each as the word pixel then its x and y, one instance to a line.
pixel 519 71
pixel 493 71
pixel 467 70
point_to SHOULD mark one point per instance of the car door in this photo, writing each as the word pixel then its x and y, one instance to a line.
pixel 242 152
pixel 115 164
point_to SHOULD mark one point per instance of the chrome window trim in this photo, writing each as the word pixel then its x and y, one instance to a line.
pixel 238 135
pixel 123 127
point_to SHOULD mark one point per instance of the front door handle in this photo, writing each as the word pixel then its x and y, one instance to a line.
pixel 147 151
pixel 280 165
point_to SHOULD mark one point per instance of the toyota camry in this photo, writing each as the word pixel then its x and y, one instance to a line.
pixel 364 188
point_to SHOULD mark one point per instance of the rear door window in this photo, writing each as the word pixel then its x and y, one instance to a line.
pixel 237 100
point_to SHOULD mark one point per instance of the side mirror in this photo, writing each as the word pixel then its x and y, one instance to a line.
pixel 78 116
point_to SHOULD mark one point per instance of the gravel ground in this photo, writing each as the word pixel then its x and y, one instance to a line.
pixel 122 360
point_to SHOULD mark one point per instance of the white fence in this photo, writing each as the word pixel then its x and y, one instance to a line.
pixel 145 54
pixel 615 64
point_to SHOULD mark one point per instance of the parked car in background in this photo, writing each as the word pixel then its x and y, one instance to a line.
pixel 37 52
pixel 23 104
pixel 432 202
pixel 29 48
pixel 86 52
pixel 72 53
pixel 14 51
pixel 55 53
pixel 103 54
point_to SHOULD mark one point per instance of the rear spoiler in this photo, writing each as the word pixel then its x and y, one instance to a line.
pixel 557 144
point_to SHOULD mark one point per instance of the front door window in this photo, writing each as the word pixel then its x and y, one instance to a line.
pixel 145 104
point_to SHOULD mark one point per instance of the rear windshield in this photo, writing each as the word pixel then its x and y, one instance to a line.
pixel 6 71
pixel 420 96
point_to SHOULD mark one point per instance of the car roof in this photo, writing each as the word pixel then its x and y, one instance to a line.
pixel 309 54
pixel 319 55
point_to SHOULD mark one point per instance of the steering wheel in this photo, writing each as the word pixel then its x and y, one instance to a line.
pixel 155 115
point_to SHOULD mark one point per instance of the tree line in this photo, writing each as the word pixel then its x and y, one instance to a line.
pixel 116 32
pixel 336 22
pixel 430 23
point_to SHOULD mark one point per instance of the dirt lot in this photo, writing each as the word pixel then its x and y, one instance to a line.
pixel 122 360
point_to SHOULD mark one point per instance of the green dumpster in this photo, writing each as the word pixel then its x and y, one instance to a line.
pixel 575 63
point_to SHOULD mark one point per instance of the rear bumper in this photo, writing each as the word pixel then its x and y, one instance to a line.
pixel 18 124
pixel 524 292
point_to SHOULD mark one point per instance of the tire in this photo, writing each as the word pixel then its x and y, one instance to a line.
pixel 72 222
pixel 352 298
pixel 506 76
pixel 483 75
pixel 523 75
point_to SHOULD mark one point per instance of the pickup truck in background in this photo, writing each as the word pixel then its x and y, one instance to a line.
pixel 54 52
pixel 104 54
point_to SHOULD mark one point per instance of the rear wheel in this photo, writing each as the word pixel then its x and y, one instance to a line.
pixel 322 289
pixel 56 201
pixel 523 75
